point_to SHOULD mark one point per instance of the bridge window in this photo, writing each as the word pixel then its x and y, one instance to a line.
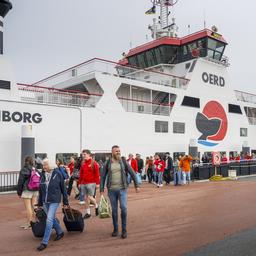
pixel 215 49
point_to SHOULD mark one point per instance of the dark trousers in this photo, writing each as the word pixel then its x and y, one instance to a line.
pixel 70 185
pixel 167 176
pixel 150 175
pixel 114 197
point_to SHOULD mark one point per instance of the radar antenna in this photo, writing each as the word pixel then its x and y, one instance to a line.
pixel 165 26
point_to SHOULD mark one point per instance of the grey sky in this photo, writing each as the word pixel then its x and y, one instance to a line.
pixel 44 37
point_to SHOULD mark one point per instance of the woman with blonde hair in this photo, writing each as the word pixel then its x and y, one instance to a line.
pixel 51 190
pixel 29 196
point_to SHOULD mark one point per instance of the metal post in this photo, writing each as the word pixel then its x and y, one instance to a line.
pixel 27 142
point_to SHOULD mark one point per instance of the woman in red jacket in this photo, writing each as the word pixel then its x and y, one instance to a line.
pixel 159 167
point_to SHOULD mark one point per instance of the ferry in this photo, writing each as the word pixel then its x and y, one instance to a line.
pixel 172 94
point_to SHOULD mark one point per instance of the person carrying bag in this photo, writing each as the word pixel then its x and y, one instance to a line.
pixel 104 208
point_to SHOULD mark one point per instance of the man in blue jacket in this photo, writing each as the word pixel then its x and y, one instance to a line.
pixel 117 169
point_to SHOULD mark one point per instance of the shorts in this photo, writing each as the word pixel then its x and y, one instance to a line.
pixel 26 194
pixel 88 189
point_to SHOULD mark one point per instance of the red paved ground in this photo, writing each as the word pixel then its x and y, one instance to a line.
pixel 167 221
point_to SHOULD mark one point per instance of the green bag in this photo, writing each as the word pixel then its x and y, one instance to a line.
pixel 104 208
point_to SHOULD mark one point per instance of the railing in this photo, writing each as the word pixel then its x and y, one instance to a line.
pixel 246 97
pixel 145 107
pixel 8 181
pixel 46 95
pixel 117 70
pixel 243 168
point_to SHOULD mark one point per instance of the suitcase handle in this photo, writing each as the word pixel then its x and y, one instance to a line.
pixel 68 214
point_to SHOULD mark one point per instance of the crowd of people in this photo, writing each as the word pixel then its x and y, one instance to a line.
pixel 86 179
pixel 235 157
pixel 85 176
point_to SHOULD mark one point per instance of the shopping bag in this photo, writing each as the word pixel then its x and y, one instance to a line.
pixel 138 177
pixel 104 208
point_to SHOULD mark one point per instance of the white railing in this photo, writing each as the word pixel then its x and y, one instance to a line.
pixel 246 97
pixel 117 70
pixel 44 95
pixel 145 107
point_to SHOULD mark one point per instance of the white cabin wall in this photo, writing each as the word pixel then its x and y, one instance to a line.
pixel 59 132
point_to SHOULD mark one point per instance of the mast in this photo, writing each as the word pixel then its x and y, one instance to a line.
pixel 166 25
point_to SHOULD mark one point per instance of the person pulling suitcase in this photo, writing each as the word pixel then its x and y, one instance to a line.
pixel 51 189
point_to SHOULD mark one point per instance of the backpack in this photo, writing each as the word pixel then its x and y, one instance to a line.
pixel 34 180
pixel 64 173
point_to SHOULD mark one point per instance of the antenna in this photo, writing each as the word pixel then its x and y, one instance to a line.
pixel 204 19
pixel 166 24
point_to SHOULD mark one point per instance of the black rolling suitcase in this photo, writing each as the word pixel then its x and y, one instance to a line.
pixel 73 220
pixel 38 227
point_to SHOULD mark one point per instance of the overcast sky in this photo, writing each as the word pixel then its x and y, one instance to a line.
pixel 47 36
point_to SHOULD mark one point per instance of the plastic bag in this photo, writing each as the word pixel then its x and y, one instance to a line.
pixel 104 208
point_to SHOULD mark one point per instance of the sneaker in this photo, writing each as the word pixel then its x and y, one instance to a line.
pixel 24 226
pixel 27 227
pixel 161 185
pixel 114 233
pixel 124 234
pixel 58 237
pixel 41 247
pixel 81 202
pixel 87 216
pixel 97 211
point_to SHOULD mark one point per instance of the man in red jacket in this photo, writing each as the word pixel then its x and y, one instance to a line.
pixel 134 164
pixel 89 180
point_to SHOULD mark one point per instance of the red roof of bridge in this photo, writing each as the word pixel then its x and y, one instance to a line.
pixel 176 41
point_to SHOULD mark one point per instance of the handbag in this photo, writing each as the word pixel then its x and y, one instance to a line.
pixel 138 177
pixel 104 208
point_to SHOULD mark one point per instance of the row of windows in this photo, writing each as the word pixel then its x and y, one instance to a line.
pixel 195 103
pixel 178 127
pixel 163 127
pixel 172 54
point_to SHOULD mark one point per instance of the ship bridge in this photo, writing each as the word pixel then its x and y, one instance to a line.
pixel 171 50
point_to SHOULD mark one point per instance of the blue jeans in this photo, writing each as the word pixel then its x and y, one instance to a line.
pixel 160 178
pixel 177 177
pixel 186 177
pixel 155 179
pixel 51 222
pixel 114 196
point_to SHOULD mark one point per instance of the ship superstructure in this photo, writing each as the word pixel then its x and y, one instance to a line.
pixel 172 94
